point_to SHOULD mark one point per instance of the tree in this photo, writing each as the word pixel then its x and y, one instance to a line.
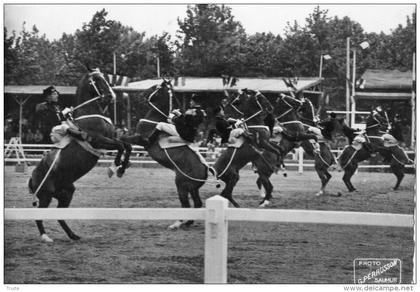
pixel 209 41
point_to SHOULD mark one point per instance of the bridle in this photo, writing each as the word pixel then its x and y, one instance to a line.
pixel 149 99
pixel 291 107
pixel 260 111
pixel 98 93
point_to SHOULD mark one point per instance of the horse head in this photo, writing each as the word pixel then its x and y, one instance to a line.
pixel 252 105
pixel 306 112
pixel 160 97
pixel 285 107
pixel 95 88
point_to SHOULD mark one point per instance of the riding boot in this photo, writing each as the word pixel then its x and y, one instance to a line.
pixel 78 134
pixel 153 137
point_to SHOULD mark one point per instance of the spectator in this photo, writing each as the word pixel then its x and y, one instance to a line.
pixel 29 136
pixel 39 137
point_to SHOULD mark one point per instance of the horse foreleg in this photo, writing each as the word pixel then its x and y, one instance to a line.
pixel 64 199
pixel 126 161
pixel 102 142
pixel 44 202
pixel 398 170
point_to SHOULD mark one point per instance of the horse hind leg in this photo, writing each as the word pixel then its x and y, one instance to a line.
pixel 44 201
pixel 195 195
pixel 398 170
pixel 268 187
pixel 348 173
pixel 231 180
pixel 64 200
pixel 185 203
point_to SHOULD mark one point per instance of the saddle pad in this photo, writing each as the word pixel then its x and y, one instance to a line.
pixel 64 141
pixel 356 145
pixel 166 142
pixel 389 140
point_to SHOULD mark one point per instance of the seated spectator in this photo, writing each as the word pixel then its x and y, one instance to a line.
pixel 38 137
pixel 29 137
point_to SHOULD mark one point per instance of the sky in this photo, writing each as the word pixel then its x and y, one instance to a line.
pixel 55 19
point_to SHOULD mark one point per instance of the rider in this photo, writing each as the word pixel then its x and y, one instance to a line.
pixel 327 126
pixel 52 113
pixel 376 121
pixel 182 125
pixel 223 126
pixel 47 111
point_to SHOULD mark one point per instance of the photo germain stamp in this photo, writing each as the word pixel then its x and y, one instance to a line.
pixel 377 271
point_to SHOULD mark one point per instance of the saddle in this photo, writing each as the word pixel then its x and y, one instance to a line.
pixel 166 141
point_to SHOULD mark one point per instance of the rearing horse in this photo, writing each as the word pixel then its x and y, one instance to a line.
pixel 190 172
pixel 57 171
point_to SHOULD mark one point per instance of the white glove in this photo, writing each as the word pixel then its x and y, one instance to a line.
pixel 238 124
pixel 176 112
pixel 66 111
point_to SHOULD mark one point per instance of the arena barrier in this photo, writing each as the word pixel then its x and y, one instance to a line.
pixel 33 153
pixel 216 216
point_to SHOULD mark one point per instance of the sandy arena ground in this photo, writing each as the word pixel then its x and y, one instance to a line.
pixel 129 252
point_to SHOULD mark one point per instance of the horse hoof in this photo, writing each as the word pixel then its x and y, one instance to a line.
pixel 264 204
pixel 339 194
pixel 285 174
pixel 120 171
pixel 110 172
pixel 46 238
pixel 320 193
pixel 175 226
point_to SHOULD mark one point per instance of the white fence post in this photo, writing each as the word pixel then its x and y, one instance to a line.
pixel 215 246
pixel 300 158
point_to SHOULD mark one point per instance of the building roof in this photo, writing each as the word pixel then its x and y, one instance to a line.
pixel 374 79
pixel 215 84
pixel 37 89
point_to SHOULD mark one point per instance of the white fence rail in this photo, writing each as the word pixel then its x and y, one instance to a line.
pixel 216 216
pixel 33 153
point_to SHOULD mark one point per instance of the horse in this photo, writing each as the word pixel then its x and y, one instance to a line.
pixel 362 149
pixel 57 171
pixel 252 107
pixel 323 156
pixel 190 172
pixel 292 133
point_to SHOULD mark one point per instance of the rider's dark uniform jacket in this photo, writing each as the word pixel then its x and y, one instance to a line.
pixel 49 115
pixel 374 122
pixel 327 128
pixel 187 124
pixel 224 128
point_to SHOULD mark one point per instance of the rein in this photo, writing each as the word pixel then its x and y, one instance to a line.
pixel 34 200
pixel 152 105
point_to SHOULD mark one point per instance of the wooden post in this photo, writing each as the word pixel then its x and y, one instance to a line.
pixel 320 66
pixel 300 158
pixel 348 80
pixel 215 246
pixel 353 92
pixel 413 105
